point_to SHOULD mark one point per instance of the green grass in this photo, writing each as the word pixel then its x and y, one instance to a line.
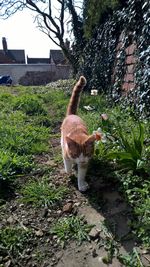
pixel 28 118
pixel 73 227
pixel 29 104
pixel 41 193
pixel 13 240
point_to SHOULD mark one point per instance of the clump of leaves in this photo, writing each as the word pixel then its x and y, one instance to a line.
pixel 13 240
pixel 131 156
pixel 131 260
pixel 41 193
pixel 71 228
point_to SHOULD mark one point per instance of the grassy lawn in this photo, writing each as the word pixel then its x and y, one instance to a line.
pixel 30 119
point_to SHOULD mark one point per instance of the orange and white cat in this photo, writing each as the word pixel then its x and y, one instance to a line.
pixel 77 145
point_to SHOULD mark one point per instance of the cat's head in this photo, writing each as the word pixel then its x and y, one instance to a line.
pixel 76 148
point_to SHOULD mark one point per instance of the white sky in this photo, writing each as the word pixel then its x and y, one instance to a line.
pixel 21 33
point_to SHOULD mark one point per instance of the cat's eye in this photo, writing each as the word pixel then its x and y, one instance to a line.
pixel 89 151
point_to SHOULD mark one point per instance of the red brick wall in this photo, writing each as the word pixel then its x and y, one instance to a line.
pixel 128 81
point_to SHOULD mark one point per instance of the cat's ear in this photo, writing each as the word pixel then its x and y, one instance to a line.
pixel 90 140
pixel 98 136
pixel 70 142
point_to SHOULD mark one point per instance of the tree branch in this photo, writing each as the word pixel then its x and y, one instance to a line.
pixel 49 24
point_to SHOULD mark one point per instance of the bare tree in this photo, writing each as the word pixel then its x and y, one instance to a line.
pixel 50 24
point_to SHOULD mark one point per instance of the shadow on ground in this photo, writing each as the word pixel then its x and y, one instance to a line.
pixel 106 209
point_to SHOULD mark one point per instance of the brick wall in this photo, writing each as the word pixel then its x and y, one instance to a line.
pixel 129 63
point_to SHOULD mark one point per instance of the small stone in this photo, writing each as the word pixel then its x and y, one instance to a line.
pixel 67 207
pixel 28 250
pixel 21 205
pixel 10 220
pixel 77 204
pixel 58 241
pixel 59 212
pixel 49 219
pixel 94 233
pixel 145 251
pixel 13 208
pixel 54 237
pixel 39 233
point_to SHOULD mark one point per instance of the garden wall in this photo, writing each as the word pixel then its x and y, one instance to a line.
pixel 35 74
pixel 130 59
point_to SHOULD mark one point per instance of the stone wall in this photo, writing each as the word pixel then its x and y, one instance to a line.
pixel 35 74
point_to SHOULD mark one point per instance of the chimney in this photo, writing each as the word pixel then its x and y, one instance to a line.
pixel 4 43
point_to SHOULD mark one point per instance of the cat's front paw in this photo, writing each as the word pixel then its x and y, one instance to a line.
pixel 83 187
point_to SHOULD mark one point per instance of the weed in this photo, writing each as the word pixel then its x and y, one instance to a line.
pixel 109 242
pixel 132 148
pixel 137 193
pixel 40 193
pixel 111 246
pixel 40 256
pixel 71 228
pixel 140 196
pixel 13 240
pixel 131 260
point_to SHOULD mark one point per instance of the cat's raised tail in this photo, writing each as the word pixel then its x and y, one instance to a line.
pixel 75 97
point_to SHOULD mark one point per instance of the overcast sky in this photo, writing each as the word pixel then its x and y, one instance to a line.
pixel 21 33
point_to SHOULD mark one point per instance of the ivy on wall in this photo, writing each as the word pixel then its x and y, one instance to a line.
pixel 98 60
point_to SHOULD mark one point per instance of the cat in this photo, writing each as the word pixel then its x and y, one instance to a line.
pixel 77 146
